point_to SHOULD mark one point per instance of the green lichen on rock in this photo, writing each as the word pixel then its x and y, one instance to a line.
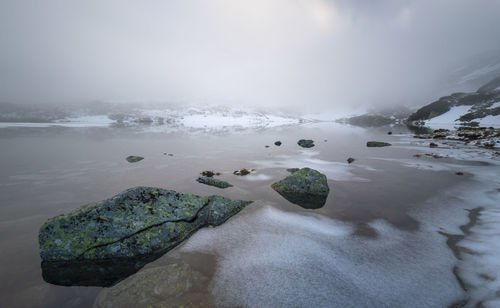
pixel 213 182
pixel 138 221
pixel 377 144
pixel 305 187
pixel 305 143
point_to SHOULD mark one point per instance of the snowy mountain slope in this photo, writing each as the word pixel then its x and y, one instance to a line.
pixel 478 108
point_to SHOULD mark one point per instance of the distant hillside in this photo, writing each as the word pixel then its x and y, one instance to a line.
pixel 477 108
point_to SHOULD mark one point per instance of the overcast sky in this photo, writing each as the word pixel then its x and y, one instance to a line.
pixel 320 54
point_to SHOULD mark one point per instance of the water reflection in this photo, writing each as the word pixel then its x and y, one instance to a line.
pixel 103 273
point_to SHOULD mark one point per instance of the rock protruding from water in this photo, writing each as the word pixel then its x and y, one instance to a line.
pixel 242 172
pixel 213 182
pixel 377 144
pixel 277 143
pixel 134 159
pixel 305 187
pixel 139 221
pixel 209 173
pixel 306 143
pixel 350 160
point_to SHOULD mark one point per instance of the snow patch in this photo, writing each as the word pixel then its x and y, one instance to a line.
pixel 490 121
pixel 449 118
pixel 271 258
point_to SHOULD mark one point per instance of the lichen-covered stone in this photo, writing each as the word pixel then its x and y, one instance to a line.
pixel 134 159
pixel 377 144
pixel 138 221
pixel 213 182
pixel 306 143
pixel 305 187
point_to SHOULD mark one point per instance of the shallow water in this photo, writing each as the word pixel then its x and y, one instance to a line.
pixel 374 243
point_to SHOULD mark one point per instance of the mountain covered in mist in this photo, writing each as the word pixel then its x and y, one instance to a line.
pixel 131 115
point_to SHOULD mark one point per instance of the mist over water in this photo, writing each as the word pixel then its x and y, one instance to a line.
pixel 98 97
pixel 293 55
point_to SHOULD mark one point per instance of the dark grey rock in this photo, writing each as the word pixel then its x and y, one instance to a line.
pixel 277 143
pixel 306 143
pixel 134 159
pixel 377 144
pixel 213 182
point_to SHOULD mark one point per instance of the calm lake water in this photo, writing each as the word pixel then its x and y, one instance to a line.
pixel 374 243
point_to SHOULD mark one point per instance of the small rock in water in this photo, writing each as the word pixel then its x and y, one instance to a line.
pixel 350 160
pixel 389 133
pixel 170 154
pixel 209 173
pixel 460 173
pixel 306 143
pixel 292 170
pixel 305 187
pixel 417 155
pixel 266 146
pixel 377 144
pixel 433 145
pixel 277 143
pixel 134 159
pixel 242 172
pixel 213 182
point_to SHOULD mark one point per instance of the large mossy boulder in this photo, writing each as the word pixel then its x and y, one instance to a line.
pixel 305 187
pixel 137 222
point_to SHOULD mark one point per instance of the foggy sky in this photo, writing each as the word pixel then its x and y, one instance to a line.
pixel 300 54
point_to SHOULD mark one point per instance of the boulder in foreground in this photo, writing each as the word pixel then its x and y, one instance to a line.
pixel 305 187
pixel 137 222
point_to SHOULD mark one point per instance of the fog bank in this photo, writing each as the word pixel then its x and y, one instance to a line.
pixel 297 55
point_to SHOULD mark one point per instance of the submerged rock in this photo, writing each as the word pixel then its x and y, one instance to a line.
pixel 305 187
pixel 139 221
pixel 213 182
pixel 173 285
pixel 372 144
pixel 277 143
pixel 134 159
pixel 306 143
